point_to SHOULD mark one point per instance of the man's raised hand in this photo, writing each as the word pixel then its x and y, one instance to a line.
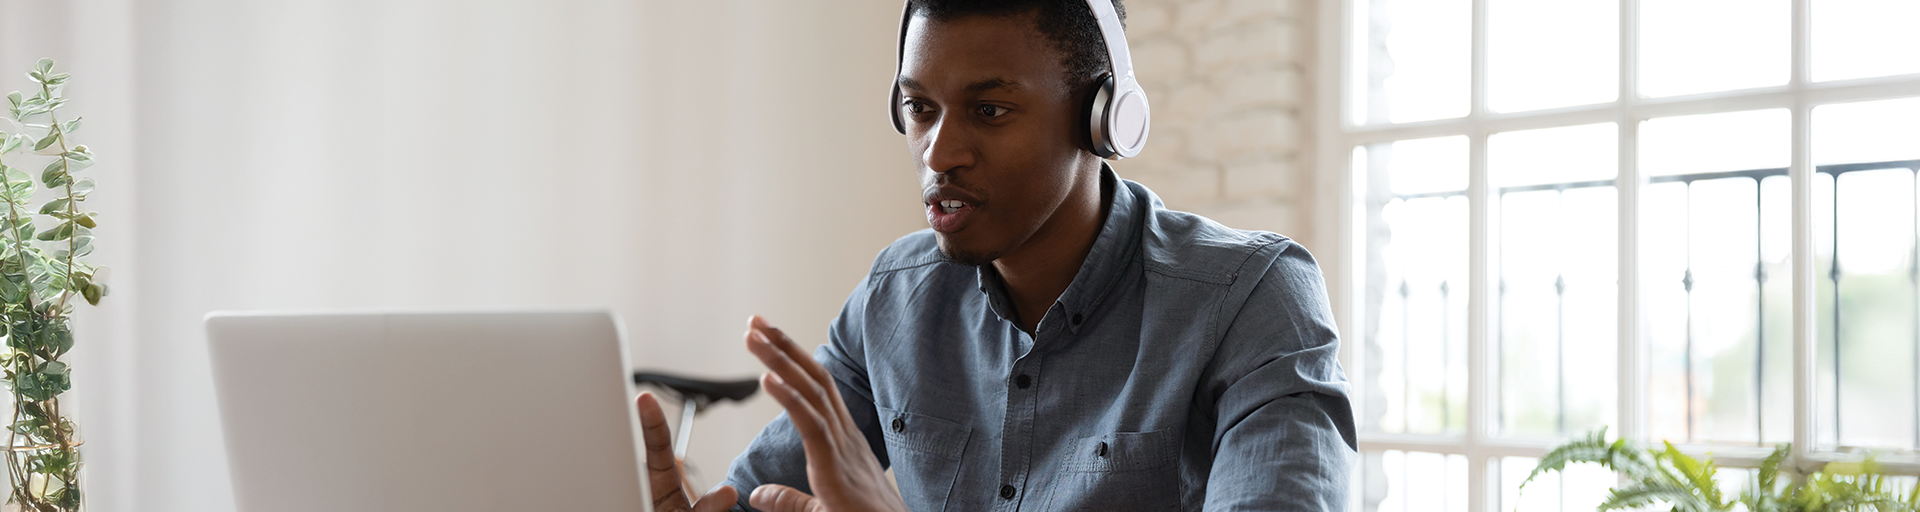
pixel 663 473
pixel 841 468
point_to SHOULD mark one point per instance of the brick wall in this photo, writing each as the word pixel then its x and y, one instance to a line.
pixel 1232 100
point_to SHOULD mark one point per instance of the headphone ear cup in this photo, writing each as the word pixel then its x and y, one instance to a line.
pixel 893 107
pixel 1098 139
pixel 1127 118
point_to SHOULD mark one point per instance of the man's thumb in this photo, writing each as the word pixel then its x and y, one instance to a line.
pixel 780 498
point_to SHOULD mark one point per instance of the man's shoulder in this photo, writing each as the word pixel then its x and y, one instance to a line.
pixel 1187 245
pixel 918 249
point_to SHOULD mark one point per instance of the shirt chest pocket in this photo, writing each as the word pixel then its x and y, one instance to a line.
pixel 1120 471
pixel 925 454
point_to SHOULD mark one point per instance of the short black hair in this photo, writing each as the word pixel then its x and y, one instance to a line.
pixel 1069 24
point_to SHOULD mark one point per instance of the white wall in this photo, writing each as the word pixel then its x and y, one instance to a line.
pixel 685 163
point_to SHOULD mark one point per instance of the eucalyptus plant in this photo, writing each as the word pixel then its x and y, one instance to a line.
pixel 41 273
pixel 1656 476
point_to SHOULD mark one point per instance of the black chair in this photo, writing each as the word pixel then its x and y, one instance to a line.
pixel 695 395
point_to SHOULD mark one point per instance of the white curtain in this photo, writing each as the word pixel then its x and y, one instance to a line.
pixel 684 163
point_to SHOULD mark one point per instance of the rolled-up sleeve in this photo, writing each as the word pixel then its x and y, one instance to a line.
pixel 1284 437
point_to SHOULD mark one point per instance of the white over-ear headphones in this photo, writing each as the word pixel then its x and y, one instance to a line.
pixel 1117 120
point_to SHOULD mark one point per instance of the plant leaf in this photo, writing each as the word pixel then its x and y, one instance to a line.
pixel 61 342
pixel 47 141
pixel 60 232
pixel 10 290
pixel 1639 495
pixel 15 175
pixel 82 188
pixel 53 172
pixel 57 205
pixel 1698 474
pixel 1592 448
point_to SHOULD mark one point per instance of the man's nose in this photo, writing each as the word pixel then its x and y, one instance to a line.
pixel 949 146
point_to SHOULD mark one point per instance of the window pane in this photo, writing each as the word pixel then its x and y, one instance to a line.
pixel 1557 296
pixel 1396 481
pixel 1553 155
pixel 1411 60
pixel 1694 46
pixel 1704 298
pixel 1824 388
pixel 1734 141
pixel 1869 297
pixel 1551 54
pixel 1868 131
pixel 1776 342
pixel 1580 487
pixel 1425 166
pixel 1874 355
pixel 1720 327
pixel 1415 373
pixel 1863 38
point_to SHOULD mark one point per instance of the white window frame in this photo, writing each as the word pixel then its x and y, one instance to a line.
pixel 1339 218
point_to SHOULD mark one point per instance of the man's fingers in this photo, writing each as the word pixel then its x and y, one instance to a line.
pixel 790 371
pixel 817 436
pixel 653 427
pixel 663 474
pixel 780 340
pixel 815 432
pixel 780 498
pixel 806 403
pixel 793 364
pixel 720 498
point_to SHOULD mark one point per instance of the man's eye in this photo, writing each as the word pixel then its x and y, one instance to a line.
pixel 991 110
pixel 913 107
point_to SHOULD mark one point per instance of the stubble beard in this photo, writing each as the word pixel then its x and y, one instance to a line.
pixel 962 256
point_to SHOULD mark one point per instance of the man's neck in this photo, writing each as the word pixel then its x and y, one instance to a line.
pixel 1040 271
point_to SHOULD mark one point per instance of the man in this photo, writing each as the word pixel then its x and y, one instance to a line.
pixel 1058 340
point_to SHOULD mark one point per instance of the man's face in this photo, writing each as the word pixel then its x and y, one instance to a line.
pixel 991 123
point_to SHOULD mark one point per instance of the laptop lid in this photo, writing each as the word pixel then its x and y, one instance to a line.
pixel 493 411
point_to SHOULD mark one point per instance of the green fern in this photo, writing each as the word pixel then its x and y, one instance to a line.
pixel 1643 494
pixel 1699 476
pixel 1667 477
pixel 1764 495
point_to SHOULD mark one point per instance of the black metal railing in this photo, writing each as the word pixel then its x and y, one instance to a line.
pixel 1834 276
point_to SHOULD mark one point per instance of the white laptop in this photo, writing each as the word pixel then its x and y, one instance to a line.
pixel 469 412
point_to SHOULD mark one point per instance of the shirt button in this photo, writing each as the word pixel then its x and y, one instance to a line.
pixel 1007 492
pixel 1076 319
pixel 899 424
pixel 1101 450
pixel 1023 381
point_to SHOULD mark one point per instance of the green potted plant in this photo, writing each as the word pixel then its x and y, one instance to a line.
pixel 1665 476
pixel 41 274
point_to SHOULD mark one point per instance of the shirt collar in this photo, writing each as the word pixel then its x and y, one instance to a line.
pixel 1113 250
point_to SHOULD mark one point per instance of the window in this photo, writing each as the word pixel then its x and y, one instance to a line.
pixel 1683 220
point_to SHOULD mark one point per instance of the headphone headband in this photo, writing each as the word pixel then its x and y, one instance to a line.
pixel 1118 119
pixel 1119 58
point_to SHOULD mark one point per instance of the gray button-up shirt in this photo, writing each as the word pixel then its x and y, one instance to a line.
pixel 1188 366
